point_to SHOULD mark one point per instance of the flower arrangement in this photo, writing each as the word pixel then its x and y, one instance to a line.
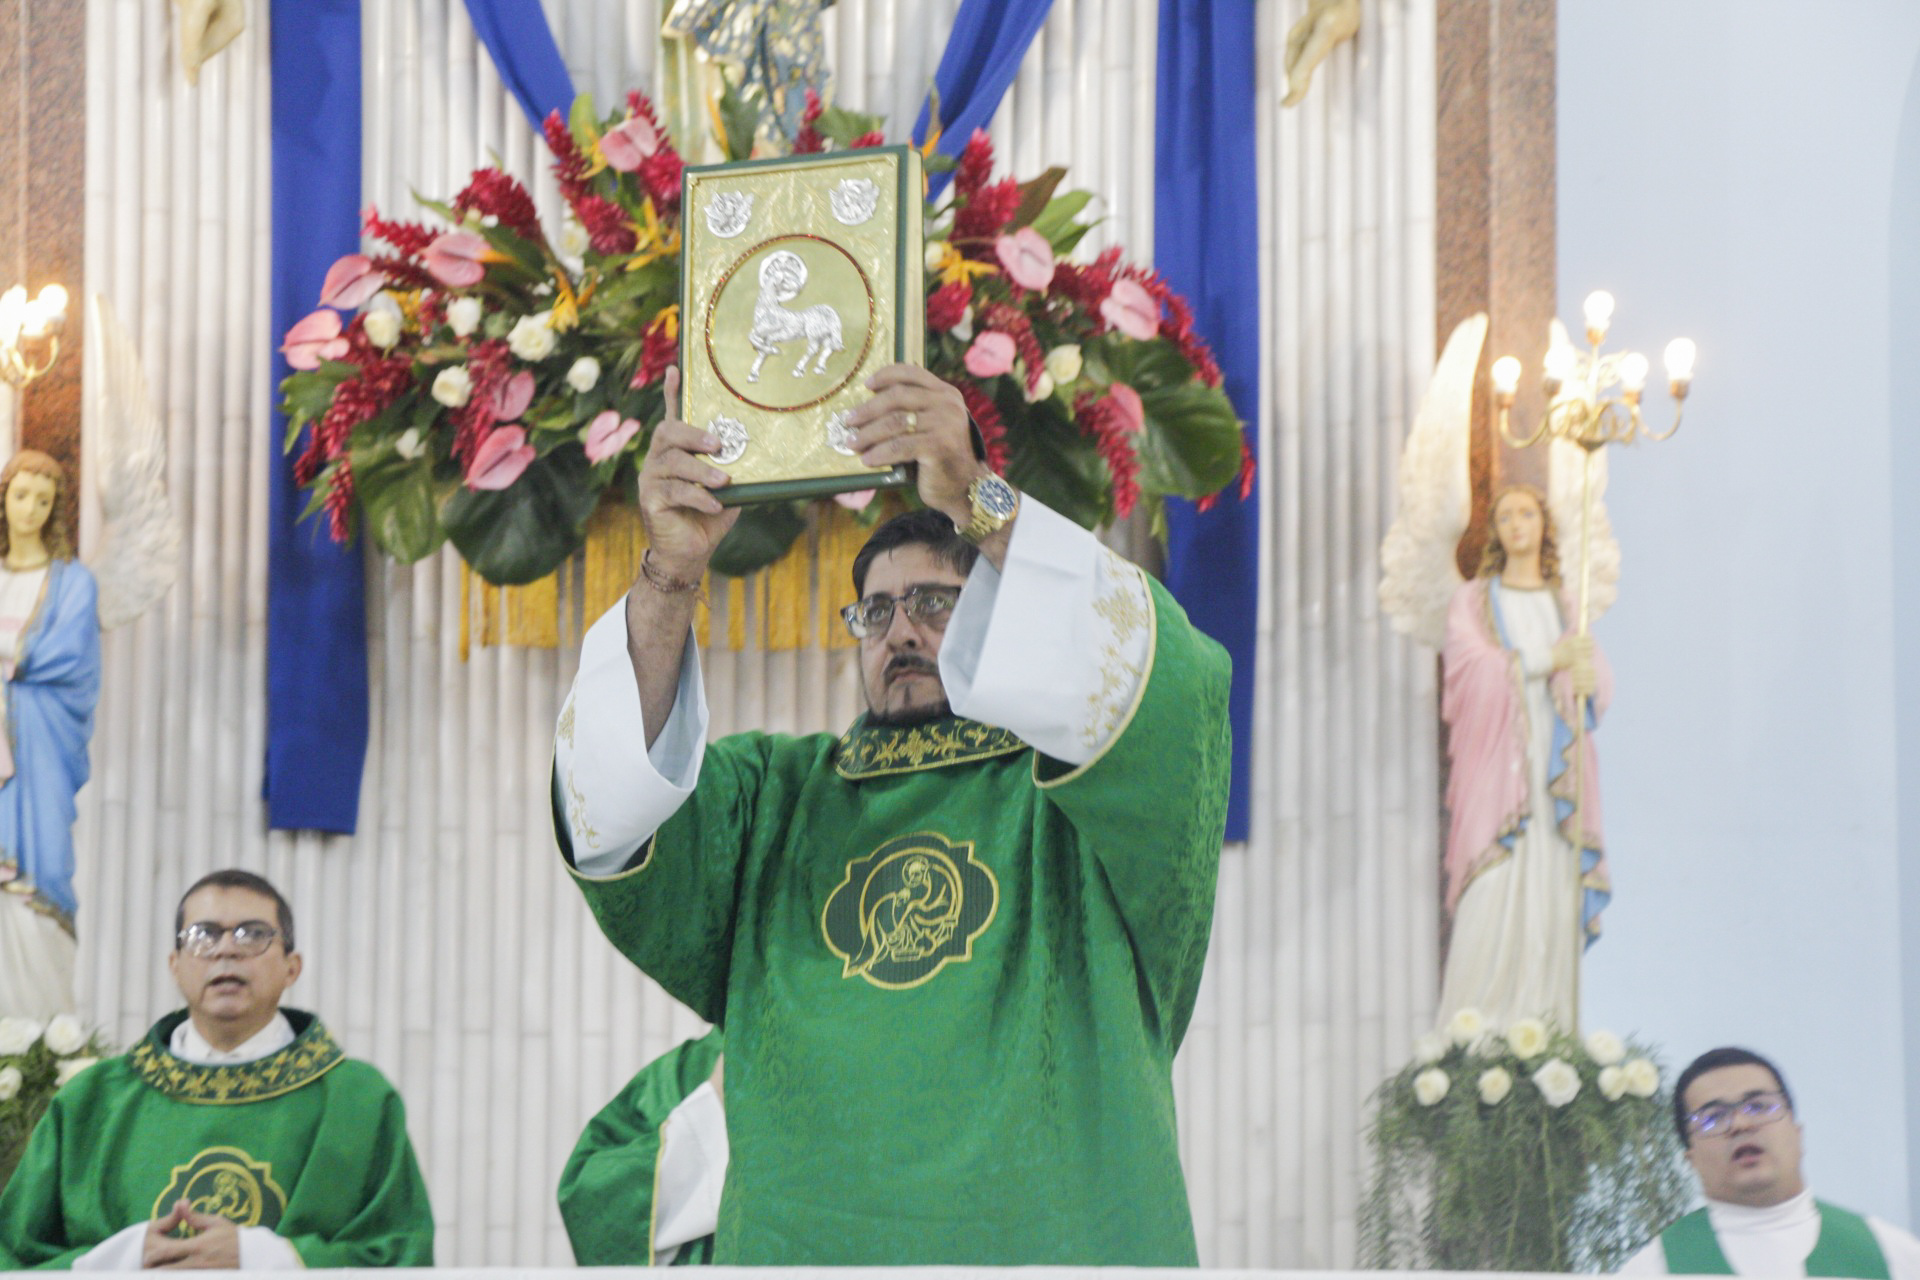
pixel 487 384
pixel 35 1060
pixel 1531 1150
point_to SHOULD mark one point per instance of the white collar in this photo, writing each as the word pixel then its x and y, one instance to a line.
pixel 189 1044
pixel 1748 1220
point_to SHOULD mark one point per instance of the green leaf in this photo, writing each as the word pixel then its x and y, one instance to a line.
pixel 1051 460
pixel 1065 241
pixel 309 394
pixel 584 123
pixel 761 535
pixel 521 533
pixel 841 127
pixel 1145 366
pixel 1191 444
pixel 1034 197
pixel 1060 213
pixel 739 121
pixel 397 498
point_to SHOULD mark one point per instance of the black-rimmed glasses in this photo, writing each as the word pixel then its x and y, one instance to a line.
pixel 250 937
pixel 930 606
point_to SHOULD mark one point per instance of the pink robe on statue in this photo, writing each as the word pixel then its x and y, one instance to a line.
pixel 1483 702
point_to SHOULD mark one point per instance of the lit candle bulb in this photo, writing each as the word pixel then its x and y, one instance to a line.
pixel 33 319
pixel 1633 371
pixel 53 304
pixel 1558 366
pixel 1598 310
pixel 1680 354
pixel 1506 376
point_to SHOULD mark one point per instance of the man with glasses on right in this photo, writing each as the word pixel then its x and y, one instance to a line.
pixel 1735 1117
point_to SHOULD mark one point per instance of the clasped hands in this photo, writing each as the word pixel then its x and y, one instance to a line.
pixel 913 417
pixel 1574 655
pixel 213 1246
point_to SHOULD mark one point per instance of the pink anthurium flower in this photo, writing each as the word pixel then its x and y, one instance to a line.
pixel 990 355
pixel 454 259
pixel 500 459
pixel 351 282
pixel 1131 310
pixel 630 142
pixel 857 500
pixel 1133 414
pixel 511 398
pixel 1027 257
pixel 608 434
pixel 315 337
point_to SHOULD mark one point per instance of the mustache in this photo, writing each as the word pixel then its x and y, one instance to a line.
pixel 901 662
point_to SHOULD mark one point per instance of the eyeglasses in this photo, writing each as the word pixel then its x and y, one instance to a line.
pixel 929 606
pixel 1717 1118
pixel 250 937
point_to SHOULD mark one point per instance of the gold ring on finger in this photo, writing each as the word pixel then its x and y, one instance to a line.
pixel 913 422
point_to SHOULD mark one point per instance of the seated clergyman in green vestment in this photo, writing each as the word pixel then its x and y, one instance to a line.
pixel 955 949
pixel 642 1187
pixel 1736 1118
pixel 235 1135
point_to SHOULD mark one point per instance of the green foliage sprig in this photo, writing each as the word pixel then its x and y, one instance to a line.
pixel 35 1060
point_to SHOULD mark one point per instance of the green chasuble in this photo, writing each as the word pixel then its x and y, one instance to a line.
pixel 305 1142
pixel 952 975
pixel 606 1190
pixel 1846 1246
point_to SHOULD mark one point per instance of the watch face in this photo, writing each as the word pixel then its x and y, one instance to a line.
pixel 994 497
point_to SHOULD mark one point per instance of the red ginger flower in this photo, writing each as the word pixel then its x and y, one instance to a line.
pixel 608 228
pixel 340 495
pixel 808 139
pixel 948 305
pixel 661 173
pixel 410 238
pixel 986 415
pixel 569 166
pixel 1101 420
pixel 382 380
pixel 657 350
pixel 1010 320
pixel 976 164
pixel 1087 286
pixel 489 191
pixel 983 217
pixel 872 138
pixel 487 368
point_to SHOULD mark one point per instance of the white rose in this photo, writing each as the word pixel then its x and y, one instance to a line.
pixel 1605 1048
pixel 1613 1083
pixel 1557 1082
pixel 1527 1038
pixel 383 328
pixel 10 1082
pixel 584 374
pixel 1041 389
pixel 1466 1026
pixel 65 1034
pixel 964 330
pixel 936 250
pixel 17 1035
pixel 1495 1084
pixel 574 240
pixel 453 387
pixel 411 444
pixel 1643 1078
pixel 1430 1086
pixel 532 337
pixel 1430 1048
pixel 463 314
pixel 71 1068
pixel 1063 363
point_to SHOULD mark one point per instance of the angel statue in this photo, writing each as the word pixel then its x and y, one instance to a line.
pixel 1525 875
pixel 51 613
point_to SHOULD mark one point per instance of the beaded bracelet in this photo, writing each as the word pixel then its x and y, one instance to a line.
pixel 661 582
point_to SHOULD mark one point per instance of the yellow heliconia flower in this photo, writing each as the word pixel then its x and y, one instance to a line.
pixel 952 266
pixel 567 303
pixel 409 303
pixel 654 240
pixel 669 320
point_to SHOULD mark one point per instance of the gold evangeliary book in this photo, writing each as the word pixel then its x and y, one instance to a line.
pixel 800 277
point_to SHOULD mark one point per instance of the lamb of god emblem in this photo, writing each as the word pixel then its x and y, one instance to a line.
pixel 782 276
pixel 908 909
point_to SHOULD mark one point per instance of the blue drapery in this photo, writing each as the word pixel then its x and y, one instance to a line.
pixel 983 53
pixel 1206 229
pixel 316 588
pixel 521 44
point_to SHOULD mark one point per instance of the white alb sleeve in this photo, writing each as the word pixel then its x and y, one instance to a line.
pixel 613 791
pixel 262 1250
pixel 1902 1251
pixel 1053 648
pixel 1650 1261
pixel 692 1169
pixel 121 1251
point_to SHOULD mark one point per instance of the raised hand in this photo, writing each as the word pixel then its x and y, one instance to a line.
pixel 915 417
pixel 684 521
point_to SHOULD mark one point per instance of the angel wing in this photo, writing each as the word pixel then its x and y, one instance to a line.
pixel 138 557
pixel 1418 575
pixel 1564 496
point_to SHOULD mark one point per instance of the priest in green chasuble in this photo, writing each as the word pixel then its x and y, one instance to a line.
pixel 954 949
pixel 235 1135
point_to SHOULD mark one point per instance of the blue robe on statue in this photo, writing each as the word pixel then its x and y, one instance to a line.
pixel 50 702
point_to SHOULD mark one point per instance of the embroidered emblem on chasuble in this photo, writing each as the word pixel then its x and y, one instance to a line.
pixel 229 1183
pixel 908 909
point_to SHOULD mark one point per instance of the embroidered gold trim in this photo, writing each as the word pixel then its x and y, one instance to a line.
pixel 953 934
pixel 1139 696
pixel 312 1054
pixel 875 751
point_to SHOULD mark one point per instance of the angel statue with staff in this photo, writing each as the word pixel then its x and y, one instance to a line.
pixel 1525 874
pixel 51 613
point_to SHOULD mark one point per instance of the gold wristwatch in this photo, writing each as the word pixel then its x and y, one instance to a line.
pixel 994 502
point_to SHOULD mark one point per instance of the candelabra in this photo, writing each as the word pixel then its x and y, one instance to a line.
pixel 38 322
pixel 1580 410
